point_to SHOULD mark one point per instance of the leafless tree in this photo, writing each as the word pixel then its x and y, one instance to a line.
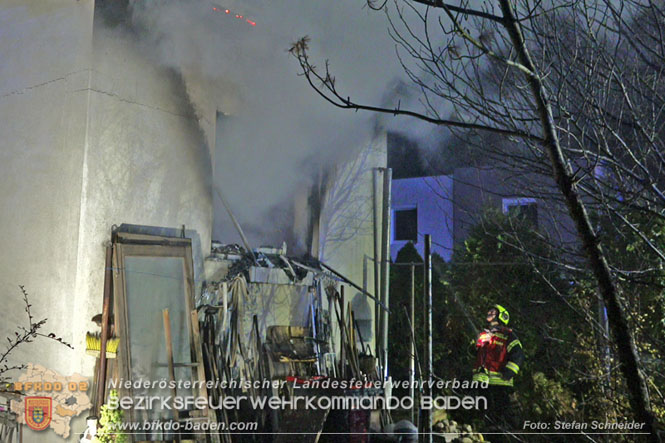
pixel 575 89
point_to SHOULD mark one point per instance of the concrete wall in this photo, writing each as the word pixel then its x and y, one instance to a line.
pixel 94 134
pixel 432 198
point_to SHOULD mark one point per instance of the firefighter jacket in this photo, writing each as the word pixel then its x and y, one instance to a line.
pixel 499 356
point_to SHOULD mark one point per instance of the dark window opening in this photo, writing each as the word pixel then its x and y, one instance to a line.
pixel 406 225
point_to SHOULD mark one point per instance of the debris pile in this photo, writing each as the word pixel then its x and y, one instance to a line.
pixel 268 317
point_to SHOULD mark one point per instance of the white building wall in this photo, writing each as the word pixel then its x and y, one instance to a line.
pixel 45 51
pixel 433 199
pixel 93 134
pixel 347 234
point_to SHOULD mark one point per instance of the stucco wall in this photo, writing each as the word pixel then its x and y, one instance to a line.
pixel 94 133
pixel 45 52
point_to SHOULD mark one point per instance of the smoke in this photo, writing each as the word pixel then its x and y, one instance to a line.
pixel 274 132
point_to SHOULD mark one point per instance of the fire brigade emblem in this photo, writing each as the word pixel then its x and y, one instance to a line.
pixel 38 412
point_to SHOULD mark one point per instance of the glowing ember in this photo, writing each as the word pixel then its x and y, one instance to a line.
pixel 218 8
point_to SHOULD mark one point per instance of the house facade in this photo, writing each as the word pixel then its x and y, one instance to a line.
pixel 447 206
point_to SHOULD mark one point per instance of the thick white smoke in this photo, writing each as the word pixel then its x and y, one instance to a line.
pixel 275 132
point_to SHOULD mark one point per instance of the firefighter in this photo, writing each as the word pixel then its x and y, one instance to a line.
pixel 498 360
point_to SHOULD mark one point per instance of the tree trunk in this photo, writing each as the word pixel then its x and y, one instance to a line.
pixel 562 173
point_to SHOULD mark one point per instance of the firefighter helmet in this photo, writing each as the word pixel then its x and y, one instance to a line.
pixel 504 316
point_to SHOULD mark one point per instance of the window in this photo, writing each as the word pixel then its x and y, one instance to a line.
pixel 154 274
pixel 406 225
pixel 522 208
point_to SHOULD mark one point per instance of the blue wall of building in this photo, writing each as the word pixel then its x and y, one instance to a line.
pixel 433 199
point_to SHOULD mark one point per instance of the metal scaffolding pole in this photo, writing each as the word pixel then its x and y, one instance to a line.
pixel 377 290
pixel 427 419
pixel 385 265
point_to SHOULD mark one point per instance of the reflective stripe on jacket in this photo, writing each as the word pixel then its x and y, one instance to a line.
pixel 492 378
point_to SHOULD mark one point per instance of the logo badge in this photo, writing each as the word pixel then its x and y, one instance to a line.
pixel 38 412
